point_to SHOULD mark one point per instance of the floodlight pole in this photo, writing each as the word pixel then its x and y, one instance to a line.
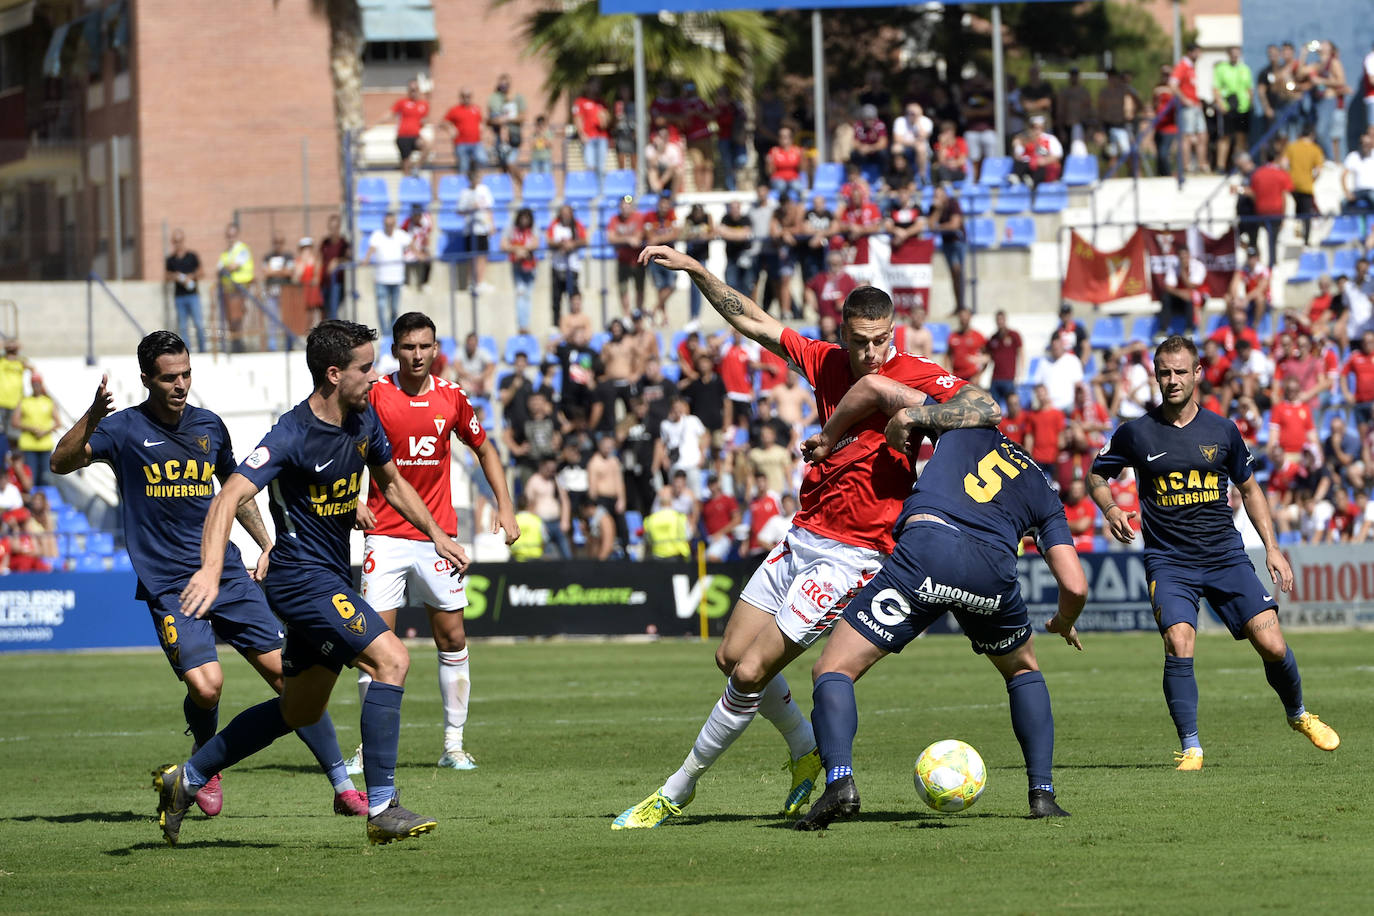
pixel 641 106
pixel 818 83
pixel 999 82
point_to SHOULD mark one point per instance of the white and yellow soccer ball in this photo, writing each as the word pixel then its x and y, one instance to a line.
pixel 950 776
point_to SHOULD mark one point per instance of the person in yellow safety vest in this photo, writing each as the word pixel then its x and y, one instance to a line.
pixel 666 533
pixel 236 276
pixel 12 367
pixel 530 544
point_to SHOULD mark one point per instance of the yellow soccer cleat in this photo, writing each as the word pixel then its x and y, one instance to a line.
pixel 651 812
pixel 1317 731
pixel 805 771
pixel 1190 759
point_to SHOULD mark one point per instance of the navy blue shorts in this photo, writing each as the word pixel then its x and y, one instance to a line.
pixel 240 616
pixel 327 623
pixel 1233 591
pixel 937 569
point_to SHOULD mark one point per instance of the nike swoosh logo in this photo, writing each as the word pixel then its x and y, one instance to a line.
pixel 1153 457
pixel 1268 597
pixel 147 444
pixel 321 467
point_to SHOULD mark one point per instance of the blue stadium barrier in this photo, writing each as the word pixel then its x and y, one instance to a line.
pixel 1019 232
pixel 1080 171
pixel 1014 198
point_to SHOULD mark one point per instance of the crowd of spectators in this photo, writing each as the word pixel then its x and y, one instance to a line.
pixel 28 424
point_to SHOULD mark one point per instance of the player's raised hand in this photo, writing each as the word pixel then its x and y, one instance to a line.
pixel 1279 570
pixel 200 593
pixel 259 572
pixel 1120 525
pixel 899 433
pixel 665 256
pixel 103 404
pixel 366 519
pixel 506 525
pixel 452 551
pixel 816 448
pixel 1070 633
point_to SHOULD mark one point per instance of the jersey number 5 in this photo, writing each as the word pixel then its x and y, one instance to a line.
pixel 987 483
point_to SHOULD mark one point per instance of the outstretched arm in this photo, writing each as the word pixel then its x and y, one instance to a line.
pixel 742 313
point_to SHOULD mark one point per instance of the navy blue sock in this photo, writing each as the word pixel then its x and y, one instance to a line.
pixel 1033 722
pixel 381 727
pixel 835 719
pixel 1287 683
pixel 1180 693
pixel 324 744
pixel 200 723
pixel 249 732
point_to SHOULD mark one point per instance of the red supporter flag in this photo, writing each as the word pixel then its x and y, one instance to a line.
pixel 1101 276
pixel 908 274
pixel 1218 255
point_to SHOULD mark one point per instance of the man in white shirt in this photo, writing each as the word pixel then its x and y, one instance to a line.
pixel 1358 178
pixel 386 248
pixel 682 442
pixel 475 204
pixel 1060 373
pixel 911 138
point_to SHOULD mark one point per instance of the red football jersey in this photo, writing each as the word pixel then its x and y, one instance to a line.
pixel 854 495
pixel 419 429
pixel 1362 366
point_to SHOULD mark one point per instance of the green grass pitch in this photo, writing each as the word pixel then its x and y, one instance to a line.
pixel 568 734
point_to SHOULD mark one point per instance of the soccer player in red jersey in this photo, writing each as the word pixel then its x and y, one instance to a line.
pixel 849 502
pixel 420 413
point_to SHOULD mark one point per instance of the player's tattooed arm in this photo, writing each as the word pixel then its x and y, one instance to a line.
pixel 1119 523
pixel 742 313
pixel 73 450
pixel 970 406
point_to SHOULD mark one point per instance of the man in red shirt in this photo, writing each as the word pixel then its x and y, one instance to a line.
pixel 1081 513
pixel 696 125
pixel 1268 185
pixel 1089 423
pixel 849 503
pixel 465 121
pixel 859 218
pixel 1004 352
pixel 1013 424
pixel 785 165
pixel 1361 394
pixel 762 507
pixel 1290 421
pixel 410 113
pixel 625 232
pixel 1234 330
pixel 1046 430
pixel 719 516
pixel 1192 126
pixel 421 413
pixel 736 368
pixel 591 119
pixel 966 347
pixel 827 291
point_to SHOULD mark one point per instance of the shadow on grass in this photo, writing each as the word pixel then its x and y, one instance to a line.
pixel 82 817
pixel 194 844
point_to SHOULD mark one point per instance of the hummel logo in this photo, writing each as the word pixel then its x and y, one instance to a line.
pixel 321 467
pixel 1153 457
pixel 147 444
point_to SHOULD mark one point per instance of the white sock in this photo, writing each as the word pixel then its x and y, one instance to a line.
pixel 778 707
pixel 364 679
pixel 728 719
pixel 454 687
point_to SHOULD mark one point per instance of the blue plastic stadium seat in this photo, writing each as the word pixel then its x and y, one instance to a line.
pixel 449 347
pixel 1266 327
pixel 414 190
pixel 369 221
pixel 450 186
pixel 1019 232
pixel 975 201
pixel 501 187
pixel 1050 197
pixel 982 232
pixel 537 189
pixel 996 170
pixel 1344 230
pixel 580 187
pixel 495 255
pixel 1108 332
pixel 1014 198
pixel 599 246
pixel 373 193
pixel 122 563
pixel 1311 265
pixel 77 524
pixel 1343 261
pixel 52 493
pixel 487 343
pixel 939 336
pixel 634 521
pixel 1144 327
pixel 598 340
pixel 672 370
pixel 1033 367
pixel 1079 170
pixel 522 343
pixel 1214 322
pixel 1026 392
pixel 91 563
pixel 811 331
pixel 829 177
pixel 617 184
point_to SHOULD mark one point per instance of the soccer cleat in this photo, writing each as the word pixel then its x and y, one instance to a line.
pixel 839 802
pixel 173 799
pixel 1317 731
pixel 210 798
pixel 350 802
pixel 1042 804
pixel 1190 759
pixel 354 764
pixel 805 769
pixel 396 823
pixel 651 812
pixel 456 760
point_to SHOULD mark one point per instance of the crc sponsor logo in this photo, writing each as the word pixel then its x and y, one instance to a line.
pixel 933 592
pixel 821 594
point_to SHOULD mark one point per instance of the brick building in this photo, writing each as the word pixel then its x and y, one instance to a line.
pixel 122 119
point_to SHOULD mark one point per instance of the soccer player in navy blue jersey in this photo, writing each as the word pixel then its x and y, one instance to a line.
pixel 1185 457
pixel 167 455
pixel 957 540
pixel 313 461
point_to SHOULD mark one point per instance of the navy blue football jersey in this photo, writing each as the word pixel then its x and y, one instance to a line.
pixel 166 477
pixel 981 482
pixel 1183 474
pixel 313 471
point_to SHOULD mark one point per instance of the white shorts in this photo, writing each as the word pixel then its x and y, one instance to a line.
pixel 393 567
pixel 807 580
